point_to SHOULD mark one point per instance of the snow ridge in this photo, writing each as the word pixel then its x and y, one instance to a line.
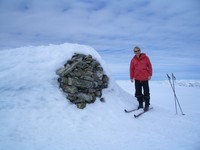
pixel 183 83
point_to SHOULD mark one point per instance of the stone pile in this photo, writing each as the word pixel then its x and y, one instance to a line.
pixel 82 78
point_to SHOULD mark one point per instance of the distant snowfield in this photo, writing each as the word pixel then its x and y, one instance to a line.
pixel 34 113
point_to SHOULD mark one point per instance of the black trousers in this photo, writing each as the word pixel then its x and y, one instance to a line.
pixel 142 92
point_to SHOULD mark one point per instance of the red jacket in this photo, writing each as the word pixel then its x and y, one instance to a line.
pixel 140 68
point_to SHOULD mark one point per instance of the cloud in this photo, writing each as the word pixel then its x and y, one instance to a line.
pixel 158 27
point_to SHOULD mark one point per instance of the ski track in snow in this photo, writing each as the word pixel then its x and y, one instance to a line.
pixel 34 113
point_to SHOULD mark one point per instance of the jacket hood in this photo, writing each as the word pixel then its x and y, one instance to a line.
pixel 142 55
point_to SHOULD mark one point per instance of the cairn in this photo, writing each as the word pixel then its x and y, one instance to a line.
pixel 82 79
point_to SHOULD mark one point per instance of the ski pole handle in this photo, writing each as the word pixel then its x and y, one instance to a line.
pixel 173 77
pixel 168 77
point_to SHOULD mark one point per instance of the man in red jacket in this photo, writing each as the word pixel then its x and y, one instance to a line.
pixel 141 72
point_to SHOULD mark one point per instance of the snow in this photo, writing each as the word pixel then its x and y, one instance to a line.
pixel 34 113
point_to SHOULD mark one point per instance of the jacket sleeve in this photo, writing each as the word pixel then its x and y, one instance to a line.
pixel 132 69
pixel 149 65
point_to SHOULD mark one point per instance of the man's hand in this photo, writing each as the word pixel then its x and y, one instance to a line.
pixel 149 78
pixel 132 80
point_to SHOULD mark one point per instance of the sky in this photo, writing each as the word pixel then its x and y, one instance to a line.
pixel 167 31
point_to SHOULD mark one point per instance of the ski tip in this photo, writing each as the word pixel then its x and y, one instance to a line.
pixel 125 110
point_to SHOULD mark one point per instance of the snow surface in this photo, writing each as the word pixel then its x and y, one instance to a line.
pixel 35 115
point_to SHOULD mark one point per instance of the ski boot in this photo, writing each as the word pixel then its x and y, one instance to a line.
pixel 146 107
pixel 140 104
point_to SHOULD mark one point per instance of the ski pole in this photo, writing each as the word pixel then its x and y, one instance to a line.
pixel 173 79
pixel 174 94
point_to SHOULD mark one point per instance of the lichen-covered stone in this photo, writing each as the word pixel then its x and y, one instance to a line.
pixel 80 83
pixel 85 96
pixel 70 89
pixel 81 105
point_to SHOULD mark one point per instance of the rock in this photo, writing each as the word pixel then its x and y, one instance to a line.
pixel 102 100
pixel 98 93
pixel 70 89
pixel 60 71
pixel 86 97
pixel 81 105
pixel 80 83
pixel 71 97
pixel 69 69
pixel 63 80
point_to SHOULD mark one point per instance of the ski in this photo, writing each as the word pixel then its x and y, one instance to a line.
pixel 139 114
pixel 132 110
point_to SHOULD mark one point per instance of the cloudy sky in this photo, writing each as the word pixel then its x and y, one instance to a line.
pixel 168 31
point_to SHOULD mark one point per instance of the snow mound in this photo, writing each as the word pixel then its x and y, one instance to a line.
pixel 28 74
pixel 34 112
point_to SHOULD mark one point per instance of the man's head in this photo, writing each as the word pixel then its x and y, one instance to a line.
pixel 137 50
